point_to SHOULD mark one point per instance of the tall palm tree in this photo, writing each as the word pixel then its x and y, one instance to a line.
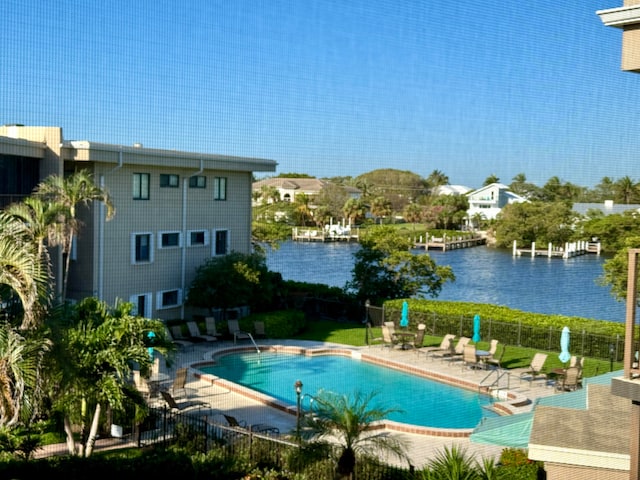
pixel 348 419
pixel 70 192
pixel 626 190
pixel 22 270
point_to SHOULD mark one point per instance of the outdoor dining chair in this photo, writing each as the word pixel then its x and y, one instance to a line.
pixel 535 368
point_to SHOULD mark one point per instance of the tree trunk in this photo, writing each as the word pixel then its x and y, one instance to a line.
pixel 93 432
pixel 71 444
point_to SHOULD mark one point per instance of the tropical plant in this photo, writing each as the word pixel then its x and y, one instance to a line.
pixel 626 190
pixel 95 348
pixel 69 193
pixel 616 270
pixel 20 368
pixel 354 209
pixel 348 419
pixel 22 270
pixel 380 208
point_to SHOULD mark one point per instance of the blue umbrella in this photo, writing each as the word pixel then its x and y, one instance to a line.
pixel 476 328
pixel 564 356
pixel 404 319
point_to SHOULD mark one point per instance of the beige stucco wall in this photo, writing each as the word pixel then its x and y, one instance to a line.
pixel 567 472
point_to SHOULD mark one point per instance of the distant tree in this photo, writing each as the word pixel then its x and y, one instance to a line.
pixel 354 209
pixel 400 187
pixel 233 280
pixel 380 208
pixel 454 210
pixel 302 209
pixel 332 197
pixel 436 179
pixel 520 186
pixel 412 213
pixel 322 216
pixel 493 178
pixel 611 230
pixel 539 222
pixel 269 194
pixel 605 190
pixel 294 175
pixel 626 190
pixel 556 191
pixel 385 268
pixel 616 270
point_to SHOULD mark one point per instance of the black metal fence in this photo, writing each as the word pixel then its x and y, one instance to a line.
pixel 583 343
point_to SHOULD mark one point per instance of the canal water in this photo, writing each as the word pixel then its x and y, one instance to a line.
pixel 483 275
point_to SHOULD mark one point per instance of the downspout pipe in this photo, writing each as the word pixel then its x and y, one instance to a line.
pixel 183 260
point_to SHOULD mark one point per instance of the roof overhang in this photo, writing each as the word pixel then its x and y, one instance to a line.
pixel 620 17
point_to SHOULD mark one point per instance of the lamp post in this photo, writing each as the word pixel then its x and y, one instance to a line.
pixel 298 387
pixel 611 352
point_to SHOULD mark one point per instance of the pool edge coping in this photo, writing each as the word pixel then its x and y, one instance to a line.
pixel 506 406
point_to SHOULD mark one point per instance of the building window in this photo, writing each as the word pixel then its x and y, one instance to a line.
pixel 220 188
pixel 198 238
pixel 169 239
pixel 222 242
pixel 167 180
pixel 141 186
pixel 169 299
pixel 141 305
pixel 199 181
pixel 141 248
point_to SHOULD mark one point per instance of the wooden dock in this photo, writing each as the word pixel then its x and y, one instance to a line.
pixel 301 234
pixel 446 243
pixel 570 249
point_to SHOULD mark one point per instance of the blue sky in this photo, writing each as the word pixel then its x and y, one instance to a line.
pixel 334 87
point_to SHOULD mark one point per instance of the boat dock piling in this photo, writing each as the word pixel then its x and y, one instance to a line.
pixel 570 249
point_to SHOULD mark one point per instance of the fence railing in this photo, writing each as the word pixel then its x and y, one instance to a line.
pixel 583 343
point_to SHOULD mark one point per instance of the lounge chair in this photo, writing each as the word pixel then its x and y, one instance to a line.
pixel 176 337
pixel 194 332
pixel 210 324
pixel 456 353
pixel 417 341
pixel 570 380
pixel 179 386
pixel 175 405
pixel 388 340
pixel 496 360
pixel 258 427
pixel 234 329
pixel 443 347
pixel 259 330
pixel 535 368
pixel 469 358
pixel 493 347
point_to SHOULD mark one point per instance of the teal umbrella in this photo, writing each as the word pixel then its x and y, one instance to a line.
pixel 404 318
pixel 564 356
pixel 476 328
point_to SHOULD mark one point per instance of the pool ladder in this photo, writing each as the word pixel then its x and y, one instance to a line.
pixel 495 385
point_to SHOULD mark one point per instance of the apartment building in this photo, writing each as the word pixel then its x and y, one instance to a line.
pixel 174 210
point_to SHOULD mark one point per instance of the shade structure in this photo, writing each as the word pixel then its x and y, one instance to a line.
pixel 476 328
pixel 564 356
pixel 404 317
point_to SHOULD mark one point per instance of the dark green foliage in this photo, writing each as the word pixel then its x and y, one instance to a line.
pixel 278 324
pixel 515 465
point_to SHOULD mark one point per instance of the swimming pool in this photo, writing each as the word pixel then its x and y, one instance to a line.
pixel 422 402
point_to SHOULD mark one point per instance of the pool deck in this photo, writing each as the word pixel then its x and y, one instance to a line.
pixel 422 445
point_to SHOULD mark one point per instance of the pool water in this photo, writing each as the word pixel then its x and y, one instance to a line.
pixel 422 401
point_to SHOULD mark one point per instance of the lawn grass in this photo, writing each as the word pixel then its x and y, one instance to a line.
pixel 516 357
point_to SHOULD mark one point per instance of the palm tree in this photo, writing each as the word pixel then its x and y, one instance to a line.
pixel 68 193
pixel 20 364
pixel 380 208
pixel 22 270
pixel 95 348
pixel 412 213
pixel 348 419
pixel 626 190
pixel 354 209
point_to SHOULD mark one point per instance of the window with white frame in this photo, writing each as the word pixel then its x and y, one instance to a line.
pixel 198 238
pixel 141 186
pixel 169 239
pixel 142 247
pixel 169 180
pixel 141 304
pixel 198 181
pixel 169 298
pixel 220 188
pixel 221 238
